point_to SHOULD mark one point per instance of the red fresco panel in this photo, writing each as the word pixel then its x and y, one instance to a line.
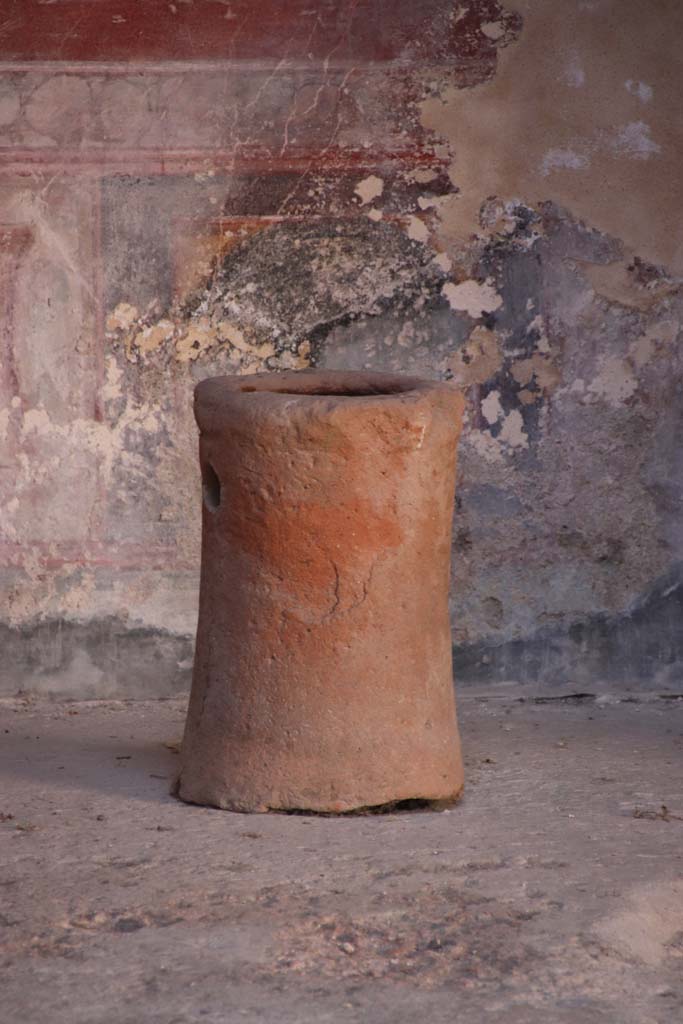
pixel 75 30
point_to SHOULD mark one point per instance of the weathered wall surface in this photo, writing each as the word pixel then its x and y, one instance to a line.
pixel 484 193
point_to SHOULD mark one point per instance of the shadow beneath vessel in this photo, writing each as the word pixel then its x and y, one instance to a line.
pixel 36 752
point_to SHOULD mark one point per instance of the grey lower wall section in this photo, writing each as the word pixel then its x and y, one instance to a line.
pixel 106 658
pixel 643 647
pixel 639 649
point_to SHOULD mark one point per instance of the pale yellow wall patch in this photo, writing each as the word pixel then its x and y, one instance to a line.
pixel 478 360
pixel 123 317
pixel 151 338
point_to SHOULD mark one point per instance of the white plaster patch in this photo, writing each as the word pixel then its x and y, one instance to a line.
pixel 645 347
pixel 111 389
pixel 421 175
pixel 642 350
pixel 640 89
pixel 615 382
pixel 537 324
pixel 9 104
pixel 369 188
pixel 406 336
pixel 4 423
pixel 472 298
pixel 634 140
pixel 574 75
pixel 149 421
pixel 83 436
pixel 493 30
pixel 512 431
pixel 491 408
pixel 35 421
pixel 417 229
pixel 563 159
pixel 485 446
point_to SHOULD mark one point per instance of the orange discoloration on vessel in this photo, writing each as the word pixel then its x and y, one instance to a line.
pixel 323 666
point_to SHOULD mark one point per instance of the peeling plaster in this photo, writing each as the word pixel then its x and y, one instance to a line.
pixel 614 383
pixel 4 424
pixel 574 74
pixel 538 368
pixel 656 337
pixel 121 318
pixel 563 159
pixel 478 360
pixel 369 188
pixel 617 282
pixel 417 229
pixel 512 430
pixel 491 408
pixel 493 29
pixel 642 90
pixel 484 446
pixel 498 152
pixel 422 175
pixel 634 140
pixel 472 297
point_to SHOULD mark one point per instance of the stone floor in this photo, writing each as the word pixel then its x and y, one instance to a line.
pixel 553 893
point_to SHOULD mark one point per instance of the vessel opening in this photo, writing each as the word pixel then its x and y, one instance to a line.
pixel 211 487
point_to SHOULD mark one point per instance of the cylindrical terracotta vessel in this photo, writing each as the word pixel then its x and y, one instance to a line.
pixel 322 676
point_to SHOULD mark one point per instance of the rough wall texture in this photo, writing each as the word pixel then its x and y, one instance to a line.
pixel 459 189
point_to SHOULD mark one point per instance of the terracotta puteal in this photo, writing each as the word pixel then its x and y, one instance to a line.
pixel 322 677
